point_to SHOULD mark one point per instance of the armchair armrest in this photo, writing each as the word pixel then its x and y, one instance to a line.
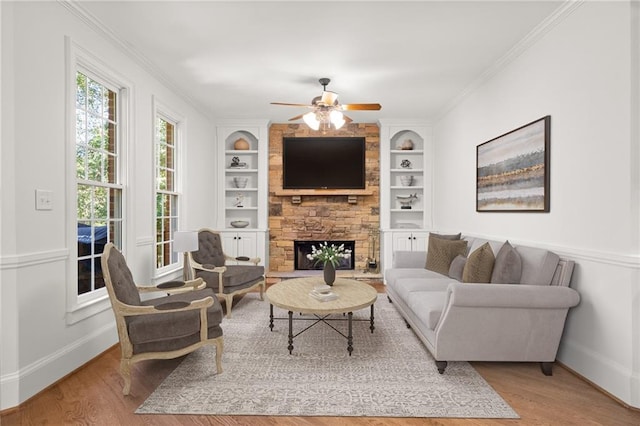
pixel 254 260
pixel 512 296
pixel 208 268
pixel 132 310
pixel 174 286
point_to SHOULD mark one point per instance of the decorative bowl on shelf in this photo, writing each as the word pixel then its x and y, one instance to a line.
pixel 239 223
pixel 406 180
pixel 240 181
pixel 406 200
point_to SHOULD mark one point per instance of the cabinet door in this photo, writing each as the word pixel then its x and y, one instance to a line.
pixel 246 244
pixel 402 241
pixel 419 241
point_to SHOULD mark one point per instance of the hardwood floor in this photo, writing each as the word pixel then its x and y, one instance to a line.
pixel 93 396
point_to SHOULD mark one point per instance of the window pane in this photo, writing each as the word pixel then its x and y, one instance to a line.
pixel 94 100
pixel 100 205
pixel 84 202
pixel 115 203
pixel 84 276
pixel 96 165
pixel 81 158
pixel 81 88
pixel 115 233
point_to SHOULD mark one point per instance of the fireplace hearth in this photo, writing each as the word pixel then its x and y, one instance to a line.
pixel 302 248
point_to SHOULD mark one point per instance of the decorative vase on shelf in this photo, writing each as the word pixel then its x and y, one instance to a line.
pixel 241 144
pixel 329 273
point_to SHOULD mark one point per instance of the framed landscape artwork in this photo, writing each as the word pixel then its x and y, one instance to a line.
pixel 512 170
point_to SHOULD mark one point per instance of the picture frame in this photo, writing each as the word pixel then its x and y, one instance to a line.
pixel 512 170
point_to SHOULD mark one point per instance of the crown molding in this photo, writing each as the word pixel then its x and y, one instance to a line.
pixel 75 7
pixel 561 13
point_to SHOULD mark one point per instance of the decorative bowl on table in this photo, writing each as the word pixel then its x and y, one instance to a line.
pixel 239 223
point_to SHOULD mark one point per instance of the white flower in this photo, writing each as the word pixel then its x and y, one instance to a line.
pixel 329 253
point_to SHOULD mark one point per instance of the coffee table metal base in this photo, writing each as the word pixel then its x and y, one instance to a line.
pixel 318 319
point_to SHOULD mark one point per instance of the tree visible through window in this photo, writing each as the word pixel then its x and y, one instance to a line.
pixel 166 192
pixel 99 192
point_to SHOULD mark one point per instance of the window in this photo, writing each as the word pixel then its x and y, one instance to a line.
pixel 98 187
pixel 166 192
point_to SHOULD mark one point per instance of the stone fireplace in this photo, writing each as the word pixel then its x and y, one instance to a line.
pixel 303 248
pixel 323 215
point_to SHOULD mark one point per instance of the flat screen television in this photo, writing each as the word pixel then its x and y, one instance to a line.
pixel 323 163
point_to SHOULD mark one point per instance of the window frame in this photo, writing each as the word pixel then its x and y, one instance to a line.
pixel 82 306
pixel 161 110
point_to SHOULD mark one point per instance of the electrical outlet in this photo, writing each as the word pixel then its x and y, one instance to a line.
pixel 44 199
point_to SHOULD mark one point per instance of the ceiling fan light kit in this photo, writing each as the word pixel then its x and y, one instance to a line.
pixel 327 111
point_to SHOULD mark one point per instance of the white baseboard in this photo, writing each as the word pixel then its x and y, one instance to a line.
pixel 16 388
pixel 610 377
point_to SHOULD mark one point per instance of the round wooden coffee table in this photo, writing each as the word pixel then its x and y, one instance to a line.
pixel 293 296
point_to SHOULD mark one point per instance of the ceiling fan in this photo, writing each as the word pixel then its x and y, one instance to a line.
pixel 326 110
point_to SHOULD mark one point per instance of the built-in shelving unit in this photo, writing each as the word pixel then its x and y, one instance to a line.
pixel 405 174
pixel 243 188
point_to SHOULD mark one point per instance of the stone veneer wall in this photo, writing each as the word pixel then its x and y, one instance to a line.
pixel 322 217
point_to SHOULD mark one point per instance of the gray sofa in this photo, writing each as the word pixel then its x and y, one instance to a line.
pixel 517 313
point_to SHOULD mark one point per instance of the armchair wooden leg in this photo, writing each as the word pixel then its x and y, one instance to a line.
pixel 219 348
pixel 125 372
pixel 262 288
pixel 228 300
pixel 547 368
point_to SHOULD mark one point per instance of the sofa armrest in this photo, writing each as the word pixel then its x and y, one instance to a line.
pixel 409 259
pixel 512 296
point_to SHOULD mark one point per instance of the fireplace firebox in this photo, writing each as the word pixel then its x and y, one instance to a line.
pixel 302 248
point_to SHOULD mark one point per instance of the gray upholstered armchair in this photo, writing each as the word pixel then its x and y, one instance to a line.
pixel 161 328
pixel 209 262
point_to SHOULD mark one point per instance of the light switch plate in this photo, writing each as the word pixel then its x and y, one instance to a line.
pixel 44 199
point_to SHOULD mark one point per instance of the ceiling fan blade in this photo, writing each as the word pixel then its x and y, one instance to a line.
pixel 297 117
pixel 287 104
pixel 362 107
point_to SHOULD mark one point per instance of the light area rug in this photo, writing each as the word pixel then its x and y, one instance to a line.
pixel 389 374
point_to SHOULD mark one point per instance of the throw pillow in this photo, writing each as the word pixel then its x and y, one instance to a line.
pixel 457 267
pixel 507 268
pixel 445 236
pixel 479 265
pixel 442 252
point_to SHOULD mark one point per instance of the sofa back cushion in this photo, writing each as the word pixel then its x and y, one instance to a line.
pixel 507 268
pixel 441 253
pixel 479 265
pixel 538 265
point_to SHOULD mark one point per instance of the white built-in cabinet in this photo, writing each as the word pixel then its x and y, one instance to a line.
pixel 409 241
pixel 405 173
pixel 242 188
pixel 241 243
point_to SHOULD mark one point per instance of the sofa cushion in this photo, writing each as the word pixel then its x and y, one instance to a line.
pixel 394 274
pixel 507 268
pixel 538 265
pixel 409 259
pixel 175 325
pixel 236 277
pixel 406 288
pixel 442 252
pixel 446 236
pixel 457 267
pixel 427 306
pixel 479 265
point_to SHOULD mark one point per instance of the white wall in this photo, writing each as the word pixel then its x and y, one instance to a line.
pixel 38 345
pixel 583 71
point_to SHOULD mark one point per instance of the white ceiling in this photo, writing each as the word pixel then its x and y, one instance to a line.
pixel 231 59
